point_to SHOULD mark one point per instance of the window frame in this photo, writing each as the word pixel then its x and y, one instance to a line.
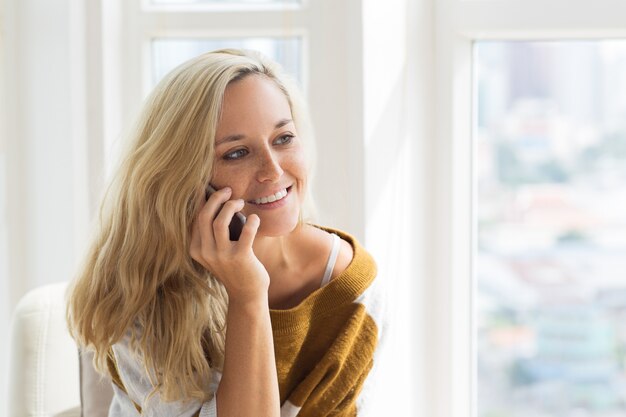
pixel 459 23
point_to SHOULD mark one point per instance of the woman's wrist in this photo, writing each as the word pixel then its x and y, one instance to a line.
pixel 250 302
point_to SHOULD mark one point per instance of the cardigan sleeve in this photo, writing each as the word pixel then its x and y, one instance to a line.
pixel 132 390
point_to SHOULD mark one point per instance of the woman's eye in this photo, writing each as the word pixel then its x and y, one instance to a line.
pixel 239 153
pixel 283 140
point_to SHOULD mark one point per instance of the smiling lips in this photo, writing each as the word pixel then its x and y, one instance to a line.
pixel 272 197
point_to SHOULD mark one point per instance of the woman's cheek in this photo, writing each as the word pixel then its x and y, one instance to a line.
pixel 225 176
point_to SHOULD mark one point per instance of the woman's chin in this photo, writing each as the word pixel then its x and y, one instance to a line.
pixel 279 227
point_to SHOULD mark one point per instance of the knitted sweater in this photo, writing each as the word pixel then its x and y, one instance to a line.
pixel 325 348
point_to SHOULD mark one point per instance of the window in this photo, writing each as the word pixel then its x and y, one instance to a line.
pixel 228 3
pixel 478 36
pixel 169 52
pixel 550 138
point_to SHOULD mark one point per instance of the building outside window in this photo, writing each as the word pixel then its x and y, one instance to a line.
pixel 550 149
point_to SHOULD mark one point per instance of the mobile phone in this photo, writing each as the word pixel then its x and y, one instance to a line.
pixel 236 224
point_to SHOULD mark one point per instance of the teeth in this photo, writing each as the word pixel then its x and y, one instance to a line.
pixel 271 198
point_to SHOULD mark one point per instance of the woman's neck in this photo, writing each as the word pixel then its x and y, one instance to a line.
pixel 294 262
pixel 278 253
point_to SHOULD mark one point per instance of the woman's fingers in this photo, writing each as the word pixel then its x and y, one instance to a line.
pixel 215 201
pixel 223 219
pixel 202 239
pixel 249 231
pixel 209 212
pixel 212 248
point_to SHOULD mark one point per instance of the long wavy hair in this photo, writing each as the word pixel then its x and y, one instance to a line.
pixel 137 278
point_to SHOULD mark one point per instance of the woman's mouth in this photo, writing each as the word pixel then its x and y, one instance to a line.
pixel 272 198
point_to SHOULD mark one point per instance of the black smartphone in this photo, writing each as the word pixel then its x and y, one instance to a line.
pixel 236 224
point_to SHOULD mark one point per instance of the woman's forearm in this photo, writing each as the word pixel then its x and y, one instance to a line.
pixel 249 384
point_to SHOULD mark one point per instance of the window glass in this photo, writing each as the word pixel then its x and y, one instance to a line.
pixel 167 53
pixel 550 149
pixel 224 2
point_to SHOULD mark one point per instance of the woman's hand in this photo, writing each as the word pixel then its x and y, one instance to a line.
pixel 249 380
pixel 232 262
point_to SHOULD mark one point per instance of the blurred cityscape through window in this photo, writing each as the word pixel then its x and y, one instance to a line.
pixel 550 287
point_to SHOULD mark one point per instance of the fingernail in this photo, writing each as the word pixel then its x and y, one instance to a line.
pixel 227 190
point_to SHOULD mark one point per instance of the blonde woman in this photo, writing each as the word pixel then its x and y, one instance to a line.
pixel 281 322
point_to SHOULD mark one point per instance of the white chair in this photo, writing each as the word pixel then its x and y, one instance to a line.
pixel 47 376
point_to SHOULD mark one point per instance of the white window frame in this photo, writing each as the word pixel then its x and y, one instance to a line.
pixel 458 24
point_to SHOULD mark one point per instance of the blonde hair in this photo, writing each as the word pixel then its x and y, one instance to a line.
pixel 138 278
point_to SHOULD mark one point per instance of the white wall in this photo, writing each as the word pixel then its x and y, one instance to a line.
pixel 42 102
pixel 4 290
pixel 42 164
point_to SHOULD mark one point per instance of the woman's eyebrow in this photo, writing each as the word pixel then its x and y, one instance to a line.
pixel 233 138
pixel 282 123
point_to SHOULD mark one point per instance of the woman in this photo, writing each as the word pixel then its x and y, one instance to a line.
pixel 186 320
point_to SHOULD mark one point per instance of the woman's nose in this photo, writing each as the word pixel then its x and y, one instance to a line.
pixel 269 167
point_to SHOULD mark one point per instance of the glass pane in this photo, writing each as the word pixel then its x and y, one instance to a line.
pixel 224 2
pixel 167 53
pixel 550 146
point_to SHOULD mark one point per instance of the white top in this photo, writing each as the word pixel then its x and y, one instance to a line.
pixel 332 259
pixel 136 382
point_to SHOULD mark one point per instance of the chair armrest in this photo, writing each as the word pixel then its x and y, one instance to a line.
pixel 43 366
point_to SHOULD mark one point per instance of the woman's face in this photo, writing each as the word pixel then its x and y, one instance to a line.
pixel 259 154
